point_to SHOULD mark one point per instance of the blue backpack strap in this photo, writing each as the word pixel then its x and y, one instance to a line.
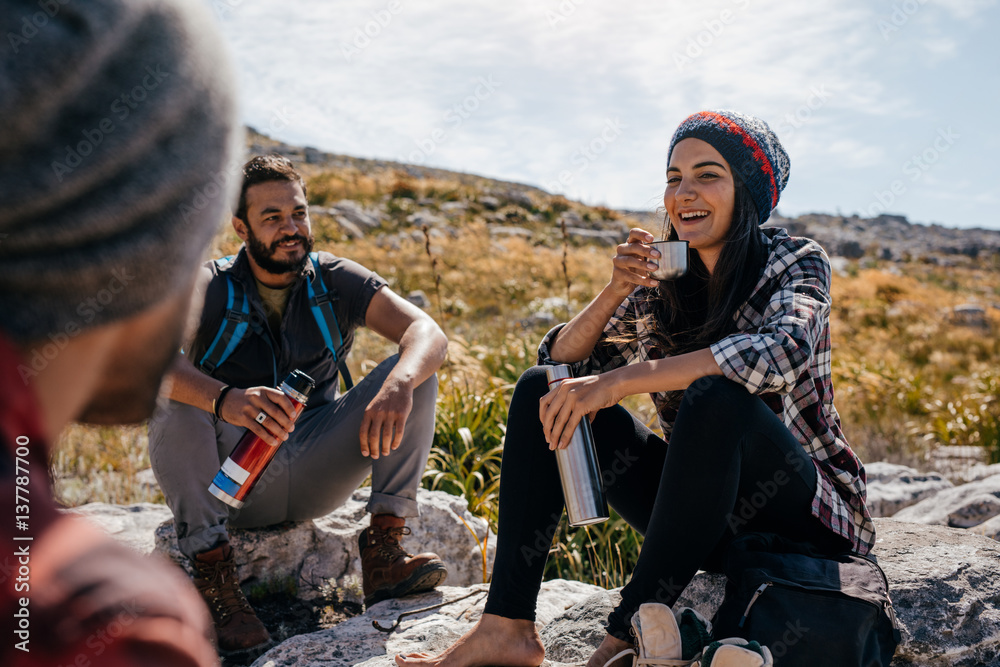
pixel 321 303
pixel 234 324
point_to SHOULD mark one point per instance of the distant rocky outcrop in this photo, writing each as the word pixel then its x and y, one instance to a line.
pixel 975 506
pixel 891 237
pixel 892 487
pixel 510 206
pixel 929 498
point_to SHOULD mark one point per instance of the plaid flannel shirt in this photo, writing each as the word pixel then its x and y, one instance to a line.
pixel 781 352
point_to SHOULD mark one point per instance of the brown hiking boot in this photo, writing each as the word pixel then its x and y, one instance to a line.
pixel 239 633
pixel 387 570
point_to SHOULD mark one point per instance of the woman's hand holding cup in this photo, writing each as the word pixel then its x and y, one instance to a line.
pixel 633 262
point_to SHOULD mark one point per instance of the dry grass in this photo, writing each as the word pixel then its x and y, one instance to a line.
pixel 909 378
pixel 900 359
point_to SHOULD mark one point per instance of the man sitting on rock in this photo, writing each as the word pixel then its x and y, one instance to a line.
pixel 384 426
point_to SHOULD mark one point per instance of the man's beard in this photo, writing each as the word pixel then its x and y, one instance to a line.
pixel 264 256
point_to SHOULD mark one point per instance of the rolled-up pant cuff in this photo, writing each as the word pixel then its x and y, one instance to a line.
pixel 203 540
pixel 381 503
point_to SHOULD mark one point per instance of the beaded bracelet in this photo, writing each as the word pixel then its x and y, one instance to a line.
pixel 217 401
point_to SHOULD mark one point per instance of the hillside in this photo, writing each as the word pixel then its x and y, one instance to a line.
pixel 916 311
pixel 886 237
pixel 915 318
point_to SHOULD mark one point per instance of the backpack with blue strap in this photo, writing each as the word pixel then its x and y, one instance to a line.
pixel 238 321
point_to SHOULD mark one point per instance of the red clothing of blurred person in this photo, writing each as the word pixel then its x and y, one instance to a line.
pixel 69 594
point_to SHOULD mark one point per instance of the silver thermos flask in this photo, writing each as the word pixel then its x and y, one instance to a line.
pixel 579 470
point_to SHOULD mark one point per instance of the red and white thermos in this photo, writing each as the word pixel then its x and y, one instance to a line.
pixel 238 475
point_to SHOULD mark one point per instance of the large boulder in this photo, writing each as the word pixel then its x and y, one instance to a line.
pixel 891 487
pixel 942 580
pixel 608 238
pixel 946 592
pixel 976 472
pixel 965 506
pixel 321 553
pixel 353 212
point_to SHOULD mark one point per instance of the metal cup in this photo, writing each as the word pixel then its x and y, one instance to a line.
pixel 673 260
pixel 579 470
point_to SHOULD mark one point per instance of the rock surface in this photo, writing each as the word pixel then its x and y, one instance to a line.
pixel 357 642
pixel 892 487
pixel 964 506
pixel 976 472
pixel 946 593
pixel 133 525
pixel 319 553
pixel 943 582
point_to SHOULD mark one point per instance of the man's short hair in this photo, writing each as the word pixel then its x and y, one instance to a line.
pixel 264 169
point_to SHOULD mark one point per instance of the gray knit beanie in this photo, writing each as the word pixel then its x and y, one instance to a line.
pixel 117 157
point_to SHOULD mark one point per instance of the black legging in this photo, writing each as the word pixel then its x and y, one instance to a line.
pixel 731 467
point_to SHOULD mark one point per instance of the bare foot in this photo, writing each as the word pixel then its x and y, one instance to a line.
pixel 494 640
pixel 609 648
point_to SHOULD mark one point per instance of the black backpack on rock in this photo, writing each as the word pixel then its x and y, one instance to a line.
pixel 809 609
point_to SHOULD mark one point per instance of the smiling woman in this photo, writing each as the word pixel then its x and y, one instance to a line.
pixel 699 198
pixel 736 356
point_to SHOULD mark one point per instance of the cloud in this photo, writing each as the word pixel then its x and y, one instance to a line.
pixel 856 154
pixel 359 79
pixel 965 10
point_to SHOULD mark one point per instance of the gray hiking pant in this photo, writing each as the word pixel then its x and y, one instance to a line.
pixel 315 471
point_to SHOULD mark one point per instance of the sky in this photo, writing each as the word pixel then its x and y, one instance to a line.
pixel 882 106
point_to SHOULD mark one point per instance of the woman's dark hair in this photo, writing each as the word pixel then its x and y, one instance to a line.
pixel 699 309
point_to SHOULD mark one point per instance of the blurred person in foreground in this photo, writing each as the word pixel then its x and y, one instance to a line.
pixel 118 120
pixel 301 310
pixel 736 357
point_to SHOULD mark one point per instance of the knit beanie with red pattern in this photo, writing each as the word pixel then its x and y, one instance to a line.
pixel 752 150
